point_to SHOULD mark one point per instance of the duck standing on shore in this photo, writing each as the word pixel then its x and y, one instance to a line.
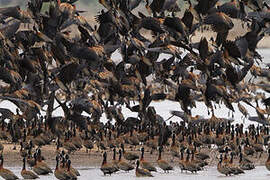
pixel 145 164
pixel 26 174
pixel 107 168
pixel 122 165
pixel 141 172
pixel 60 173
pixel 6 173
pixel 129 155
pixel 164 165
pixel 223 168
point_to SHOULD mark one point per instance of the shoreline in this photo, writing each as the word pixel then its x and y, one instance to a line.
pixel 80 159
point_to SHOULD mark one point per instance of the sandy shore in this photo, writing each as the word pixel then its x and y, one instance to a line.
pixel 80 158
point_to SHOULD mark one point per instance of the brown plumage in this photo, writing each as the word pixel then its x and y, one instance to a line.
pixel 140 172
pixel 159 6
pixel 70 173
pixel 182 161
pixel 236 169
pixel 151 23
pixel 164 165
pixel 16 13
pixel 248 150
pixel 60 173
pixel 244 164
pixel 129 155
pixel 174 148
pixel 199 162
pixel 10 76
pixel 221 23
pixel 30 159
pixel 68 145
pixel 122 165
pixel 107 168
pixel 6 173
pixel 189 165
pixel 243 110
pixel 72 169
pixel 145 164
pixel 87 142
pixel 222 168
pixel 233 9
pixel 26 174
pixel 40 167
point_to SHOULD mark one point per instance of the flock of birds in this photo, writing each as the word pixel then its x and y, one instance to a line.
pixel 44 64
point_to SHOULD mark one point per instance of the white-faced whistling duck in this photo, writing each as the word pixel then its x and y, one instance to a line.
pixel 26 174
pixel 236 170
pixel 30 159
pixel 68 145
pixel 122 165
pixel 6 173
pixel 145 164
pixel 72 169
pixel 107 168
pixel 70 173
pixel 140 172
pixel 60 173
pixel 245 164
pixel 40 167
pixel 164 165
pixel 201 163
pixel 222 168
pixel 190 166
pixel 87 142
pixel 129 155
